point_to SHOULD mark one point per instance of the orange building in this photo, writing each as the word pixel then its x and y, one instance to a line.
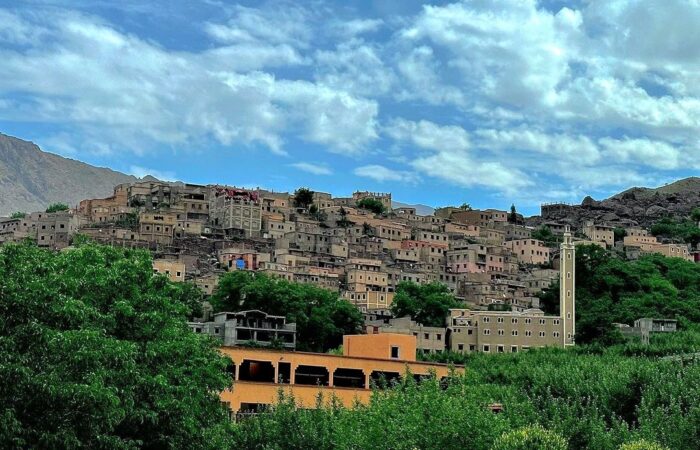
pixel 367 360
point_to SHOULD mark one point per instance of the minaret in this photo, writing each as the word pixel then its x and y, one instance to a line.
pixel 567 287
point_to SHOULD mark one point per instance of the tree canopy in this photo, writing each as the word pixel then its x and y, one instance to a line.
pixel 544 234
pixel 371 204
pixel 18 215
pixel 56 207
pixel 610 289
pixel 427 304
pixel 322 317
pixel 303 197
pixel 686 231
pixel 95 353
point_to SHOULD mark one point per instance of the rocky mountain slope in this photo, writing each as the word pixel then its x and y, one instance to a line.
pixel 31 179
pixel 640 205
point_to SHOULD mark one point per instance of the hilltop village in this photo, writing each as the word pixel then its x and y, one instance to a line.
pixel 495 262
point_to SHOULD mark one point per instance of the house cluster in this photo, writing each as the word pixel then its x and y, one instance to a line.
pixel 488 259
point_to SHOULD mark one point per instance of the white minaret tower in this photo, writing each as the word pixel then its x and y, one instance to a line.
pixel 567 287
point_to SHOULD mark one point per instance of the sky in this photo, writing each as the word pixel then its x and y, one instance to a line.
pixel 486 102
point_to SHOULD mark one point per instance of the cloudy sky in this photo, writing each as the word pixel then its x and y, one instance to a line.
pixel 487 102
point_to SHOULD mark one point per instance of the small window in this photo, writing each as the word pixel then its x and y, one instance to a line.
pixel 394 352
pixel 486 348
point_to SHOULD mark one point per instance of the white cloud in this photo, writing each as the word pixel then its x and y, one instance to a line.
pixel 316 169
pixel 120 86
pixel 384 174
pixel 141 172
pixel 645 152
pixel 354 27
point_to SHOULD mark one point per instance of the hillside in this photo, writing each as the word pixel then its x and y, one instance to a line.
pixel 640 205
pixel 31 179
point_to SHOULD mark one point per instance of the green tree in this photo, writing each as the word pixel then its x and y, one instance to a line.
pixel 303 197
pixel 343 222
pixel 56 207
pixel 544 234
pixel 18 215
pixel 465 206
pixel 322 317
pixel 95 353
pixel 695 215
pixel 371 204
pixel 619 233
pixel 317 214
pixel 532 437
pixel 642 444
pixel 427 304
pixel 513 216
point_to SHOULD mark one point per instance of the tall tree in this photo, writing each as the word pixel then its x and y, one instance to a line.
pixel 427 304
pixel 303 197
pixel 322 317
pixel 95 353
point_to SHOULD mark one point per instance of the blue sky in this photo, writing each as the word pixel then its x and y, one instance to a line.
pixel 487 102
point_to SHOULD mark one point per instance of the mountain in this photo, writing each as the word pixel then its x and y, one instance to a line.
pixel 422 210
pixel 641 205
pixel 31 179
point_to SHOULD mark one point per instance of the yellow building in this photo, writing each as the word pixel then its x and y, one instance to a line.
pixel 367 360
pixel 511 332
pixel 174 270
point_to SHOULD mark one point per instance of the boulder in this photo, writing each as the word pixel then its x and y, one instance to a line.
pixel 656 211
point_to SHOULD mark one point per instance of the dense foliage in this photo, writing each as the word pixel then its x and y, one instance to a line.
pixel 321 316
pixel 303 197
pixel 544 234
pixel 56 207
pixel 18 215
pixel 428 304
pixel 578 399
pixel 610 289
pixel 95 353
pixel 371 204
pixel 686 230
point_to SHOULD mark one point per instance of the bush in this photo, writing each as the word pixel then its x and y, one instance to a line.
pixel 56 207
pixel 532 437
pixel 642 445
pixel 371 204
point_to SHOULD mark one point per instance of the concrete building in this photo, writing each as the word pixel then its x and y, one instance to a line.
pixel 509 332
pixel 157 227
pixel 383 197
pixel 529 251
pixel 249 327
pixel 428 339
pixel 599 233
pixel 237 211
pixel 367 360
pixel 174 270
pixel 646 326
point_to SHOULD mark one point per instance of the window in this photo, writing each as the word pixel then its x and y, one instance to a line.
pixel 394 352
pixel 514 332
pixel 501 349
pixel 486 348
pixel 499 320
pixel 460 347
pixel 501 332
pixel 487 332
pixel 426 335
pixel 514 349
pixel 514 321
pixel 472 348
pixel 439 337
